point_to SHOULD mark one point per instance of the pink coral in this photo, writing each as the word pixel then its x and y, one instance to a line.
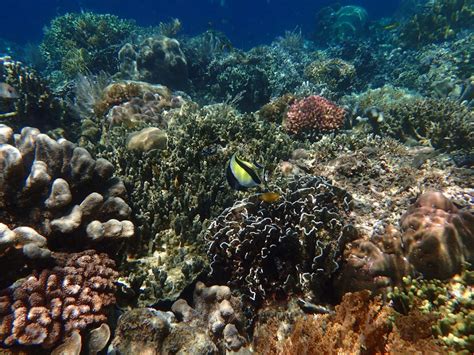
pixel 314 113
pixel 48 306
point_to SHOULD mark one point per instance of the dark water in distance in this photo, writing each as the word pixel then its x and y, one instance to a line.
pixel 246 22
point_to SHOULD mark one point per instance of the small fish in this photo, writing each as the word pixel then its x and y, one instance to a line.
pixel 242 174
pixel 269 197
pixel 8 92
pixel 309 307
pixel 391 26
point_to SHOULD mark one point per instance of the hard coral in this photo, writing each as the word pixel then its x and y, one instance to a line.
pixel 337 74
pixel 448 303
pixel 435 240
pixel 48 306
pixel 273 249
pixel 75 43
pixel 54 190
pixel 36 104
pixel 437 237
pixel 213 326
pixel 157 60
pixel 314 113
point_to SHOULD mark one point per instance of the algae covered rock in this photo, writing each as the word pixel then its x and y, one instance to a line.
pixel 147 139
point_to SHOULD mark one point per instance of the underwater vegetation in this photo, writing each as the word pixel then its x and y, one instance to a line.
pixel 163 193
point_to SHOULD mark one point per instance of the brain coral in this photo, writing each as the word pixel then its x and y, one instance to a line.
pixel 290 245
pixel 47 306
pixel 314 113
pixel 55 195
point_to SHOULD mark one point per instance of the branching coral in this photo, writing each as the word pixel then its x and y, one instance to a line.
pixel 175 191
pixel 291 245
pixel 48 306
pixel 36 104
pixel 439 20
pixel 314 114
pixel 337 74
pixel 75 43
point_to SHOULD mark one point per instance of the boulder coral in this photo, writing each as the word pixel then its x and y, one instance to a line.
pixel 48 306
pixel 54 195
pixel 436 239
pixel 157 60
pixel 314 114
pixel 213 325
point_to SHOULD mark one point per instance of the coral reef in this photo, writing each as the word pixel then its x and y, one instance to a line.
pixel 359 324
pixel 86 42
pixel 275 110
pixel 175 191
pixel 448 303
pixel 337 74
pixel 437 237
pixel 55 195
pixel 439 20
pixel 314 114
pixel 435 240
pixel 273 249
pixel 441 123
pixel 213 325
pixel 36 105
pixel 157 60
pixel 48 306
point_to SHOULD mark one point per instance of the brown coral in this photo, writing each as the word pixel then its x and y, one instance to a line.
pixel 48 306
pixel 314 113
pixel 437 236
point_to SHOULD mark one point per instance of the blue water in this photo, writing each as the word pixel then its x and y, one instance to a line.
pixel 246 22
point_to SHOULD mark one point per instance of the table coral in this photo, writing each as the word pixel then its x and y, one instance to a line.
pixel 273 249
pixel 314 113
pixel 48 306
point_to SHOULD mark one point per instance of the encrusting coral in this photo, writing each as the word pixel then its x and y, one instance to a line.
pixel 314 114
pixel 55 195
pixel 292 245
pixel 214 324
pixel 48 306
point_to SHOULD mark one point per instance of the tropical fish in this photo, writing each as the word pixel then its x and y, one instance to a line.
pixel 391 26
pixel 8 92
pixel 269 197
pixel 242 174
